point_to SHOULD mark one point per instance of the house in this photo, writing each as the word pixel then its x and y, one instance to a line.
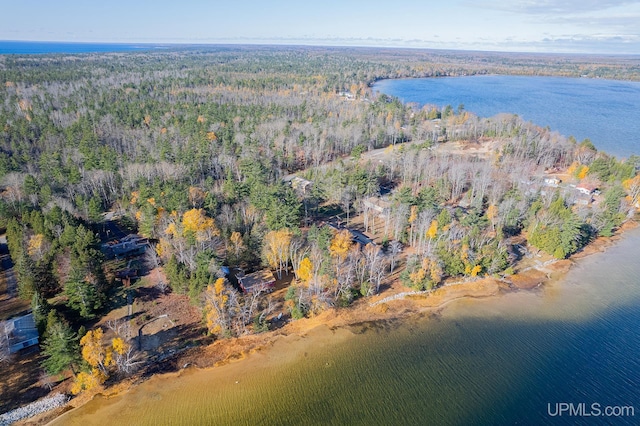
pixel 127 273
pixel 586 188
pixel 21 332
pixel 299 184
pixel 131 245
pixel 258 281
pixel 360 238
pixel 552 182
pixel 347 95
pixel 377 204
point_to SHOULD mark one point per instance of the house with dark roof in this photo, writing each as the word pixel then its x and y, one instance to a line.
pixel 131 245
pixel 258 281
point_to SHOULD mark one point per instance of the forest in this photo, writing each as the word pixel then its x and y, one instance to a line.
pixel 201 152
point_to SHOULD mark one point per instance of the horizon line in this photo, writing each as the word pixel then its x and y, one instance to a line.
pixel 317 43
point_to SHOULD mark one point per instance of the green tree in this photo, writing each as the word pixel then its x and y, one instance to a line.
pixel 283 210
pixel 83 296
pixel 26 277
pixel 40 308
pixel 30 185
pixel 95 209
pixel 177 275
pixel 85 246
pixel 60 346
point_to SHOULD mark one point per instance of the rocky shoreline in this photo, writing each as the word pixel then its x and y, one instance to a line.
pixel 33 409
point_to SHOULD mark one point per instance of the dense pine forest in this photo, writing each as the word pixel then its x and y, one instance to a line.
pixel 232 159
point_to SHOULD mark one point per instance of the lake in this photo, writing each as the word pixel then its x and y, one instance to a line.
pixel 605 111
pixel 45 47
pixel 502 360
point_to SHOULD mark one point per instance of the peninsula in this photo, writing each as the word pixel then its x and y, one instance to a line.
pixel 185 207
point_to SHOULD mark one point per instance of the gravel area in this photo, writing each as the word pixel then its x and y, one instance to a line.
pixel 34 408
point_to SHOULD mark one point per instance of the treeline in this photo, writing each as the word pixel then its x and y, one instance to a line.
pixel 190 148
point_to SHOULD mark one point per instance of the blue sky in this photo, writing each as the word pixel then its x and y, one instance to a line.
pixel 591 26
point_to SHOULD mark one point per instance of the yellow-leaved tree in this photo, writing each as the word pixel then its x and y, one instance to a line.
pixel 417 277
pixel 476 270
pixel 433 229
pixel 238 244
pixel 119 345
pixel 87 381
pixel 340 245
pixel 583 172
pixel 276 249
pixel 339 248
pixel 35 247
pixel 196 222
pixel 93 351
pixel 217 308
pixel 100 357
pixel 305 271
pixel 123 355
pixel 492 215
pixel 632 186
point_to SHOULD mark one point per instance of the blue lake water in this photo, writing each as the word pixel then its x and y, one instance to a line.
pixel 605 111
pixel 43 47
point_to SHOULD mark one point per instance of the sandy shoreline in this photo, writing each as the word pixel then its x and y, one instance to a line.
pixel 367 311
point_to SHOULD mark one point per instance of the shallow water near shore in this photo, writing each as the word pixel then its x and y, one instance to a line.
pixel 499 360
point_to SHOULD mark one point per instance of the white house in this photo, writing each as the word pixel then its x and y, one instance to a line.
pixel 586 189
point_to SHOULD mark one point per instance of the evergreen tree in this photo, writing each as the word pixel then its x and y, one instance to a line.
pixel 60 346
pixel 40 308
pixel 283 210
pixel 83 297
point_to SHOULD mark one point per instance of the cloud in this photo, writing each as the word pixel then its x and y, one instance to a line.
pixel 566 43
pixel 547 7
pixel 578 43
pixel 628 23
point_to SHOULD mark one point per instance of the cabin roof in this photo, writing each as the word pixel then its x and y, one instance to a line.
pixel 257 279
pixel 588 186
pixel 21 330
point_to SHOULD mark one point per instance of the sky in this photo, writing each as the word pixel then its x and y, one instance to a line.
pixel 564 26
